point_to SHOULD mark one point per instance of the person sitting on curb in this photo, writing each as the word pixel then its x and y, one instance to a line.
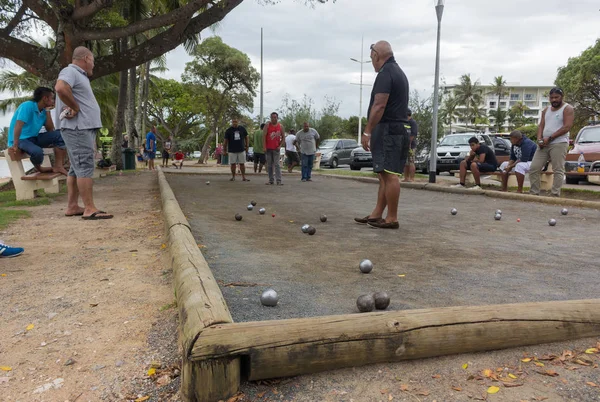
pixel 481 159
pixel 521 155
pixel 179 157
pixel 7 251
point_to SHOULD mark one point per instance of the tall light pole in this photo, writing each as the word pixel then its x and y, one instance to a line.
pixel 361 62
pixel 261 78
pixel 439 10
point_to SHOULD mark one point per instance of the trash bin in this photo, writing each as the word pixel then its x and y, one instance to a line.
pixel 225 160
pixel 128 158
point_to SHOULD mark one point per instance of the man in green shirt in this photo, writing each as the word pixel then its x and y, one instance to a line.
pixel 259 149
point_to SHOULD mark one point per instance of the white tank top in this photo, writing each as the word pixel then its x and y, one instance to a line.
pixel 553 121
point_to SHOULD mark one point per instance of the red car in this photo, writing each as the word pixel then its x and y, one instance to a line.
pixel 588 142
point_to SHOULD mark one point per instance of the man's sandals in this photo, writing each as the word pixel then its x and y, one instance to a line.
pixel 97 216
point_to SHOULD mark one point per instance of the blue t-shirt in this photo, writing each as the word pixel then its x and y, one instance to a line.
pixel 150 137
pixel 34 120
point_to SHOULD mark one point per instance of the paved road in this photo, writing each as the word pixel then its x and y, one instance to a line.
pixel 468 259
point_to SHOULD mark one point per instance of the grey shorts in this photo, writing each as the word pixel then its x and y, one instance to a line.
pixel 81 146
pixel 390 143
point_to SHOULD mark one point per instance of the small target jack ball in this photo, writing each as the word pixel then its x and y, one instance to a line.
pixel 552 222
pixel 454 211
pixel 518 219
pixel 497 217
pixel 365 303
pixel 323 218
pixel 253 203
pixel 269 298
pixel 207 182
pixel 273 215
pixel 262 211
pixel 250 207
pixel 312 231
pixel 564 211
pixel 305 228
pixel 238 217
pixel 365 266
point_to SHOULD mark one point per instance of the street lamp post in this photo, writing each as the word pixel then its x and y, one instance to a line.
pixel 361 62
pixel 261 78
pixel 439 10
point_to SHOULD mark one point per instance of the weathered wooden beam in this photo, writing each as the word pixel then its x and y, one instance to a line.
pixel 298 346
pixel 200 304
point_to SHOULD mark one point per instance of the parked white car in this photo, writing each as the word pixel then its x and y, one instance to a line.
pixel 197 154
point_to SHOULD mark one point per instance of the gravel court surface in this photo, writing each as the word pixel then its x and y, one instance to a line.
pixel 444 260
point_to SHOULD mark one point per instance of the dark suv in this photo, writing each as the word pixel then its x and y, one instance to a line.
pixel 336 152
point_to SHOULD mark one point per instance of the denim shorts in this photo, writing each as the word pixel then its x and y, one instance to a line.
pixel 390 143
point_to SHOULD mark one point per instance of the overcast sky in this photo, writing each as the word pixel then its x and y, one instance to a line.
pixel 307 50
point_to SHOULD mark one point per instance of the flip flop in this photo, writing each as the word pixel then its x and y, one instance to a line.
pixel 246 180
pixel 95 217
pixel 232 179
pixel 76 214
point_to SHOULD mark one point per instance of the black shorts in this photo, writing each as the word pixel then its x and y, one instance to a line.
pixel 165 155
pixel 390 143
pixel 292 157
pixel 486 167
pixel 260 158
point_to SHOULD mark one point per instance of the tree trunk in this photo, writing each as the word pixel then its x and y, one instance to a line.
pixel 119 123
pixel 146 95
pixel 130 117
pixel 139 112
pixel 204 156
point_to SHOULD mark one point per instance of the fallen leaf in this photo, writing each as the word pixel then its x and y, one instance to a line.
pixel 423 393
pixel 591 351
pixel 591 384
pixel 142 399
pixel 539 364
pixel 201 246
pixel 261 394
pixel 511 375
pixel 580 361
pixel 151 371
pixel 30 327
pixel 487 373
pixel 402 275
pixel 275 392
pixel 163 380
pixel 549 373
pixel 5 368
pixel 163 246
pixel 457 388
pixel 436 376
pixel 564 381
pixel 93 304
pixel 511 384
pixel 526 360
pixel 464 366
pixel 383 391
pixel 3 275
pixel 404 387
pixel 493 390
pixel 390 397
pixel 540 398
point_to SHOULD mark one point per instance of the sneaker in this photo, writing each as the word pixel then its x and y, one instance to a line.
pixel 475 187
pixel 269 183
pixel 303 180
pixel 308 179
pixel 459 185
pixel 8 251
pixel 279 183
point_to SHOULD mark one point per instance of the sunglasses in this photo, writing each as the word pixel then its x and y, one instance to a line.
pixel 372 47
pixel 556 91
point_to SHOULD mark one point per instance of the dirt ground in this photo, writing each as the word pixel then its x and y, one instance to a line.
pixel 435 260
pixel 87 310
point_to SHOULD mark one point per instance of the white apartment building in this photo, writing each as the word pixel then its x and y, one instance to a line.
pixel 535 98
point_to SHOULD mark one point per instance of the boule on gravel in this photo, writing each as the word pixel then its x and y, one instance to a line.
pixel 365 303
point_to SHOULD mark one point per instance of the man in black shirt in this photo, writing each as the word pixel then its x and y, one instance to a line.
pixel 386 134
pixel 409 168
pixel 236 144
pixel 481 159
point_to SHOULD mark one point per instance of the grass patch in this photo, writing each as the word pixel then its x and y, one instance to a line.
pixel 168 306
pixel 8 216
pixel 124 172
pixel 8 198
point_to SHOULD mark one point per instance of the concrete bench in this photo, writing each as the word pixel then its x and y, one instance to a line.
pixel 546 180
pixel 26 185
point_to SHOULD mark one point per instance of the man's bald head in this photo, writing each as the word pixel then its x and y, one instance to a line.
pixel 383 48
pixel 80 52
pixel 84 58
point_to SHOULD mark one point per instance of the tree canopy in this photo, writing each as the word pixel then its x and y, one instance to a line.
pixel 101 22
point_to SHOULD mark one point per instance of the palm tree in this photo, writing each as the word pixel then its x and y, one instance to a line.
pixel 469 94
pixel 449 112
pixel 517 115
pixel 499 89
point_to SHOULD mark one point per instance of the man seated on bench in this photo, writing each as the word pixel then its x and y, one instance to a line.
pixel 481 159
pixel 24 132
pixel 178 159
pixel 521 155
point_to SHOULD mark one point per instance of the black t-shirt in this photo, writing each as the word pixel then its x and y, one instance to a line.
pixel 235 139
pixel 414 131
pixel 392 80
pixel 490 156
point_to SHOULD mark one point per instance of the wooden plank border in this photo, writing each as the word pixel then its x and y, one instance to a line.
pixel 200 304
